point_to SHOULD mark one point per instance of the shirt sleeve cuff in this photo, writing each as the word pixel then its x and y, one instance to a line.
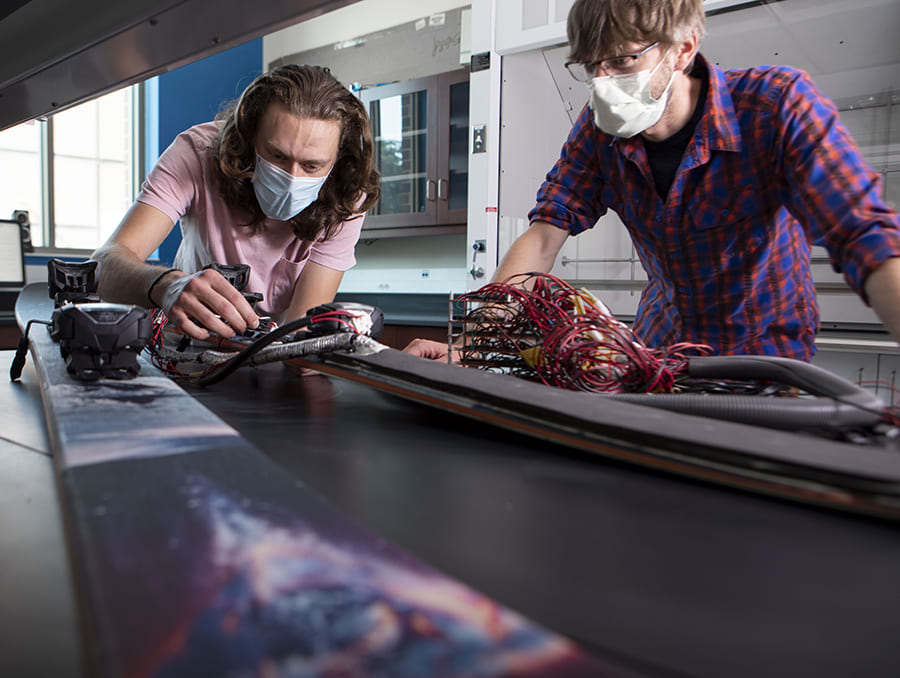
pixel 867 254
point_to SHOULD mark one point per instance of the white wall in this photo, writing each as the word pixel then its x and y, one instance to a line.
pixel 360 18
pixel 484 168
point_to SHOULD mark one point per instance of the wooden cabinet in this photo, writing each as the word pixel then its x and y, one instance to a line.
pixel 420 128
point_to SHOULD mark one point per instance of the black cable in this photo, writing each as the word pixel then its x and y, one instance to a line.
pixel 15 370
pixel 252 350
pixel 806 376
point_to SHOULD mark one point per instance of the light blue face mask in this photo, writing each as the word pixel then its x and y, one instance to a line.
pixel 281 195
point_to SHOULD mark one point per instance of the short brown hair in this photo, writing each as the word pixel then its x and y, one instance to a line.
pixel 597 28
pixel 308 92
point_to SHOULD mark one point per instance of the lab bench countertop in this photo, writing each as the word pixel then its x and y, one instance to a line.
pixel 658 574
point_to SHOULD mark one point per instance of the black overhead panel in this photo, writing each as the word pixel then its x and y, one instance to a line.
pixel 57 53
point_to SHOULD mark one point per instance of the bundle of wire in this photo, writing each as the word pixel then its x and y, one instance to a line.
pixel 216 358
pixel 173 361
pixel 539 327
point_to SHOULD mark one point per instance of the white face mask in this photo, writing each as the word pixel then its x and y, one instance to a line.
pixel 281 195
pixel 623 105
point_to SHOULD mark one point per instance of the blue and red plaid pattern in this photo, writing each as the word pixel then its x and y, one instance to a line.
pixel 770 169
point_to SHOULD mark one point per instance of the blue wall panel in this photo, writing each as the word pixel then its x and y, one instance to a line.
pixel 195 93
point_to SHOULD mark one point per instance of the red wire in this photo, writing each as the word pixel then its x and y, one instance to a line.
pixel 581 346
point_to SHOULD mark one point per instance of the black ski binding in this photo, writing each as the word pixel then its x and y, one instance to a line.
pixel 96 339
pixel 238 275
pixel 101 340
pixel 73 282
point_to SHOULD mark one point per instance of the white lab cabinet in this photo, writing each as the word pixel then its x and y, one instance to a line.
pixel 875 367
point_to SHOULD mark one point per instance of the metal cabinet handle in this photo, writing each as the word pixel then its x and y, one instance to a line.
pixel 443 189
pixel 429 190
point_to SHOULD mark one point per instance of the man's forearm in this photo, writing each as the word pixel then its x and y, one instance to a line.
pixel 883 290
pixel 534 251
pixel 124 278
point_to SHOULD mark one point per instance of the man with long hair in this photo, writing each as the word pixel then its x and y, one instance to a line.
pixel 280 181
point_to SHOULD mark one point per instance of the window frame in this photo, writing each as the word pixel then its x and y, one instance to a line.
pixel 46 152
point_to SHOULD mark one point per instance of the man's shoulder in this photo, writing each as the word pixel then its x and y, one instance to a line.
pixel 191 151
pixel 183 169
pixel 200 136
pixel 764 83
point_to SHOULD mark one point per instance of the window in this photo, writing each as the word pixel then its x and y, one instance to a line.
pixel 20 173
pixel 75 172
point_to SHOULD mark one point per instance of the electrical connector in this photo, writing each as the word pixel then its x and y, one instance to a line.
pixel 340 316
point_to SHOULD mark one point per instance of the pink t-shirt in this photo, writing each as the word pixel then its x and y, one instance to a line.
pixel 183 187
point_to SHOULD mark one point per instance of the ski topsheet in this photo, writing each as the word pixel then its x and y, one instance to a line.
pixel 195 554
pixel 801 467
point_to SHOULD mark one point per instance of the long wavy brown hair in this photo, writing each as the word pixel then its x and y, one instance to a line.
pixel 309 92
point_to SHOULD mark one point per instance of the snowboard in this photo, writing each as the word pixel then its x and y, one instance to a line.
pixel 795 465
pixel 196 555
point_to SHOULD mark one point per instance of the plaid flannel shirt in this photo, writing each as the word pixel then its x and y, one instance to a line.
pixel 770 169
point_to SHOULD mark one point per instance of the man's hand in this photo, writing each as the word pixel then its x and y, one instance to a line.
pixel 432 350
pixel 204 302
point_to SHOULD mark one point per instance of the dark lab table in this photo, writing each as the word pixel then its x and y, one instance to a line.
pixel 659 574
pixel 666 575
pixel 39 634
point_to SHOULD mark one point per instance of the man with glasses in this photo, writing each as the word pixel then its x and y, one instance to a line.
pixel 723 179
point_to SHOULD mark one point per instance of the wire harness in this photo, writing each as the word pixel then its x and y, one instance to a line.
pixel 329 327
pixel 540 327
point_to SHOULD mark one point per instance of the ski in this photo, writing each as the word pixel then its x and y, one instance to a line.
pixel 798 466
pixel 194 554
